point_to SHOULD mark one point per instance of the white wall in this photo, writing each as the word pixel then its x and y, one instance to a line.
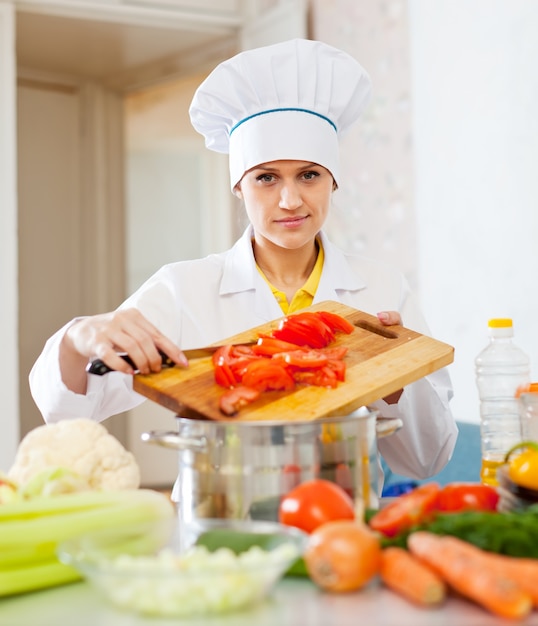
pixel 9 370
pixel 475 135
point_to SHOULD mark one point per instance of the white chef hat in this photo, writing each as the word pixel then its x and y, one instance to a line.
pixel 291 100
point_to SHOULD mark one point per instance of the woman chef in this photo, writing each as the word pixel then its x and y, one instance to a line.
pixel 278 111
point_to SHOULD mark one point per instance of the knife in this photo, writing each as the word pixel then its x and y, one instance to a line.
pixel 98 367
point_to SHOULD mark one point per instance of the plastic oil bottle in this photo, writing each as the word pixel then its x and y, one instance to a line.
pixel 501 367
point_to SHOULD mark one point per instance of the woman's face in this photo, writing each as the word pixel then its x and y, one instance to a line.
pixel 287 202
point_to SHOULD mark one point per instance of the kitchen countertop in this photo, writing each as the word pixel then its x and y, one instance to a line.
pixel 294 602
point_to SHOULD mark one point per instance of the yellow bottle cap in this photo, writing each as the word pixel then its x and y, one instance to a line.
pixel 500 322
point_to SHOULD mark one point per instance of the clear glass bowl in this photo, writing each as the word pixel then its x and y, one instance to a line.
pixel 513 497
pixel 230 565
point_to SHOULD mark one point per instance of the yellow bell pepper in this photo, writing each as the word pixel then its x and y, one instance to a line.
pixel 523 466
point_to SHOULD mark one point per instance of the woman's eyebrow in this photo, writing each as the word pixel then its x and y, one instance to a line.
pixel 267 168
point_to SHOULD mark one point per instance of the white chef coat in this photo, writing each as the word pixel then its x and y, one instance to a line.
pixel 206 300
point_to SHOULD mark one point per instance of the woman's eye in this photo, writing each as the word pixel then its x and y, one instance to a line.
pixel 310 175
pixel 265 178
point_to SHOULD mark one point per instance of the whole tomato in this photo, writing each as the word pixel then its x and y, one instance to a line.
pixel 342 555
pixel 313 503
pixel 467 497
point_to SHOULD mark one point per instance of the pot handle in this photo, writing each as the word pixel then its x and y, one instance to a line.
pixel 385 426
pixel 174 441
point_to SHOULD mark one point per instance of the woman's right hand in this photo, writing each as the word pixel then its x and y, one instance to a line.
pixel 103 336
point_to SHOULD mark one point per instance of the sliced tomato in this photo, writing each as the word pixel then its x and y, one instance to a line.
pixel 297 334
pixel 338 367
pixel 301 335
pixel 336 322
pixel 318 333
pixel 336 352
pixel 241 351
pixel 236 398
pixel 304 328
pixel 267 346
pixel 294 352
pixel 224 375
pixel 221 353
pixel 239 365
pixel 230 362
pixel 239 368
pixel 305 377
pixel 230 352
pixel 268 375
pixel 320 377
pixel 326 377
pixel 313 321
pixel 463 496
pixel 406 510
pixel 311 359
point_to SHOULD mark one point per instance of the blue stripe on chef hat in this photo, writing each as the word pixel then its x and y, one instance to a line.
pixel 291 100
pixel 283 109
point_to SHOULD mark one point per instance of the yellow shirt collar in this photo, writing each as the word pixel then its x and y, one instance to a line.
pixel 305 295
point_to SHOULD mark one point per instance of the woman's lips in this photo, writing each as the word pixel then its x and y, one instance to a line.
pixel 292 222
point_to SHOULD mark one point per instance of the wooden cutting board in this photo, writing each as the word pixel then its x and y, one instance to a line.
pixel 380 360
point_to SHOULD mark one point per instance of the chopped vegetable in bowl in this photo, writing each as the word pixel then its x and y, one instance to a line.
pixel 198 581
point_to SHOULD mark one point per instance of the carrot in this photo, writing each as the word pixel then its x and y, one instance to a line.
pixel 411 578
pixel 469 572
pixel 523 571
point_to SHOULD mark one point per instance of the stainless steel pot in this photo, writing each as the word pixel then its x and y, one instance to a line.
pixel 240 470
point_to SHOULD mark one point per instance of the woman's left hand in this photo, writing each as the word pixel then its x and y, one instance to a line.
pixel 390 318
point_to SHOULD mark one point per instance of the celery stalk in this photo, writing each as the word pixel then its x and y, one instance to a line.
pixel 31 531
pixel 16 556
pixel 127 507
pixel 39 576
pixel 63 503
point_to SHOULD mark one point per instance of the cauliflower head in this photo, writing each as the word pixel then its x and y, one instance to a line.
pixel 80 445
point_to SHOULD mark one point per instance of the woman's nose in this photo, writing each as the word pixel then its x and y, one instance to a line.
pixel 290 198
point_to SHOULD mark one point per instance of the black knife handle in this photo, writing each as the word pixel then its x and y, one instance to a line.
pixel 99 368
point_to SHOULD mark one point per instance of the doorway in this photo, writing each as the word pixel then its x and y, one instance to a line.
pixel 74 77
